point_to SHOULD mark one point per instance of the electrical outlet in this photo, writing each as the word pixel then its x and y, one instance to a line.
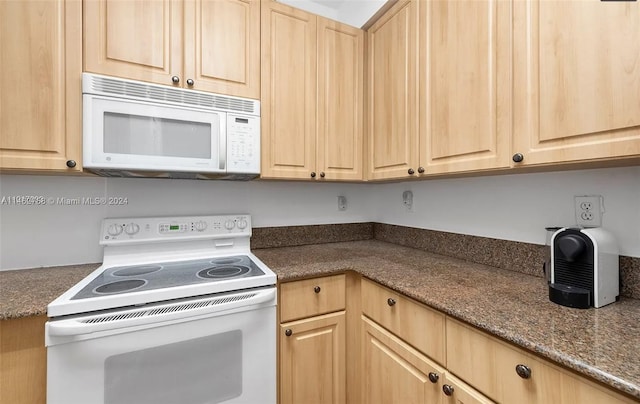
pixel 589 210
pixel 407 200
pixel 342 203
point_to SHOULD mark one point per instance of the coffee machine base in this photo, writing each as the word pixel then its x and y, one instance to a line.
pixel 570 296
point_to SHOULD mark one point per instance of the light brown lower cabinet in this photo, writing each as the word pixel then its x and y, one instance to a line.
pixel 400 351
pixel 23 361
pixel 508 374
pixel 395 372
pixel 312 360
pixel 459 392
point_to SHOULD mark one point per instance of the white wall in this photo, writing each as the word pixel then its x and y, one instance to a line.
pixel 352 12
pixel 511 207
pixel 33 236
pixel 516 207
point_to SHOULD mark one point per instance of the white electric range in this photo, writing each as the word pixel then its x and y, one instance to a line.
pixel 179 311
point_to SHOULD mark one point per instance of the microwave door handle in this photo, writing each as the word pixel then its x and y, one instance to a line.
pixel 222 151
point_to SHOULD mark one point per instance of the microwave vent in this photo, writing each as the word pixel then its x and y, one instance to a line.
pixel 150 92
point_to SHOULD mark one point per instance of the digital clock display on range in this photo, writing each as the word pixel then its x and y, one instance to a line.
pixel 174 227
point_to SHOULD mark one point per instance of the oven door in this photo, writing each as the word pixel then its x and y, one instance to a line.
pixel 137 135
pixel 207 350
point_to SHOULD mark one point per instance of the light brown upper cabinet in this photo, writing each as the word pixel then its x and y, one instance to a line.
pixel 207 45
pixel 392 102
pixel 40 85
pixel 465 86
pixel 312 91
pixel 439 88
pixel 340 101
pixel 576 80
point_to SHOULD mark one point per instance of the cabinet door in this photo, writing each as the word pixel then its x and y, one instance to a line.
pixel 40 84
pixel 465 86
pixel 576 80
pixel 312 360
pixel 340 100
pixel 23 360
pixel 140 40
pixel 312 297
pixel 460 392
pixel 491 365
pixel 392 120
pixel 394 372
pixel 418 325
pixel 222 46
pixel 288 85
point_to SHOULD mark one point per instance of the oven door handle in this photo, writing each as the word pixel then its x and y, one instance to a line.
pixel 158 315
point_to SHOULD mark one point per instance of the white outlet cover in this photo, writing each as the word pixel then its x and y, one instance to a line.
pixel 342 203
pixel 589 210
pixel 407 200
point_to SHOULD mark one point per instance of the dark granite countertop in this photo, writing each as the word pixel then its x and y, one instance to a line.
pixel 601 343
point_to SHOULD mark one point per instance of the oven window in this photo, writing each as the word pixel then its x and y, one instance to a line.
pixel 197 371
pixel 151 136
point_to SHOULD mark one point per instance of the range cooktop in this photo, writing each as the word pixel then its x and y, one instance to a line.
pixel 156 259
pixel 125 279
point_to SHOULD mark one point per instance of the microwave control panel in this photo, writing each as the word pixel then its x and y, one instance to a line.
pixel 243 144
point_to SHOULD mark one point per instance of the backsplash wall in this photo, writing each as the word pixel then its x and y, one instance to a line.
pixel 506 207
pixel 57 234
pixel 516 207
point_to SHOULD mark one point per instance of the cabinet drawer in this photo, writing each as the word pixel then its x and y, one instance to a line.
pixel 489 365
pixel 311 297
pixel 421 327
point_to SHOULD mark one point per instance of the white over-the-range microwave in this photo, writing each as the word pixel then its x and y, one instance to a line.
pixel 132 128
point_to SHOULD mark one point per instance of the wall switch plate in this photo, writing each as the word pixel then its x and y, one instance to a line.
pixel 342 203
pixel 407 200
pixel 589 210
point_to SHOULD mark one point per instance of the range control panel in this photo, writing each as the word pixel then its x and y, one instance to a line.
pixel 150 229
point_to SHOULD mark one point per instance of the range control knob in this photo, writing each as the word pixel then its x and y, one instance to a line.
pixel 114 229
pixel 242 224
pixel 131 229
pixel 201 225
pixel 229 224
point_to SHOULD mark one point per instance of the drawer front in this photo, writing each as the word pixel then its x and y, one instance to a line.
pixel 421 327
pixel 490 366
pixel 310 297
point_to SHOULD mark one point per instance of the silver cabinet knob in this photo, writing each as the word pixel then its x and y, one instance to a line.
pixel 175 79
pixel 411 171
pixel 447 389
pixel 71 163
pixel 391 302
pixel 316 289
pixel 288 332
pixel 190 82
pixel 433 377
pixel 523 371
pixel 421 170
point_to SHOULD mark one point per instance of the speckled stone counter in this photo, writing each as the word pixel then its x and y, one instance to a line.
pixel 601 343
pixel 27 292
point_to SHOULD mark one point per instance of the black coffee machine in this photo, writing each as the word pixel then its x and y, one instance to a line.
pixel 584 268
